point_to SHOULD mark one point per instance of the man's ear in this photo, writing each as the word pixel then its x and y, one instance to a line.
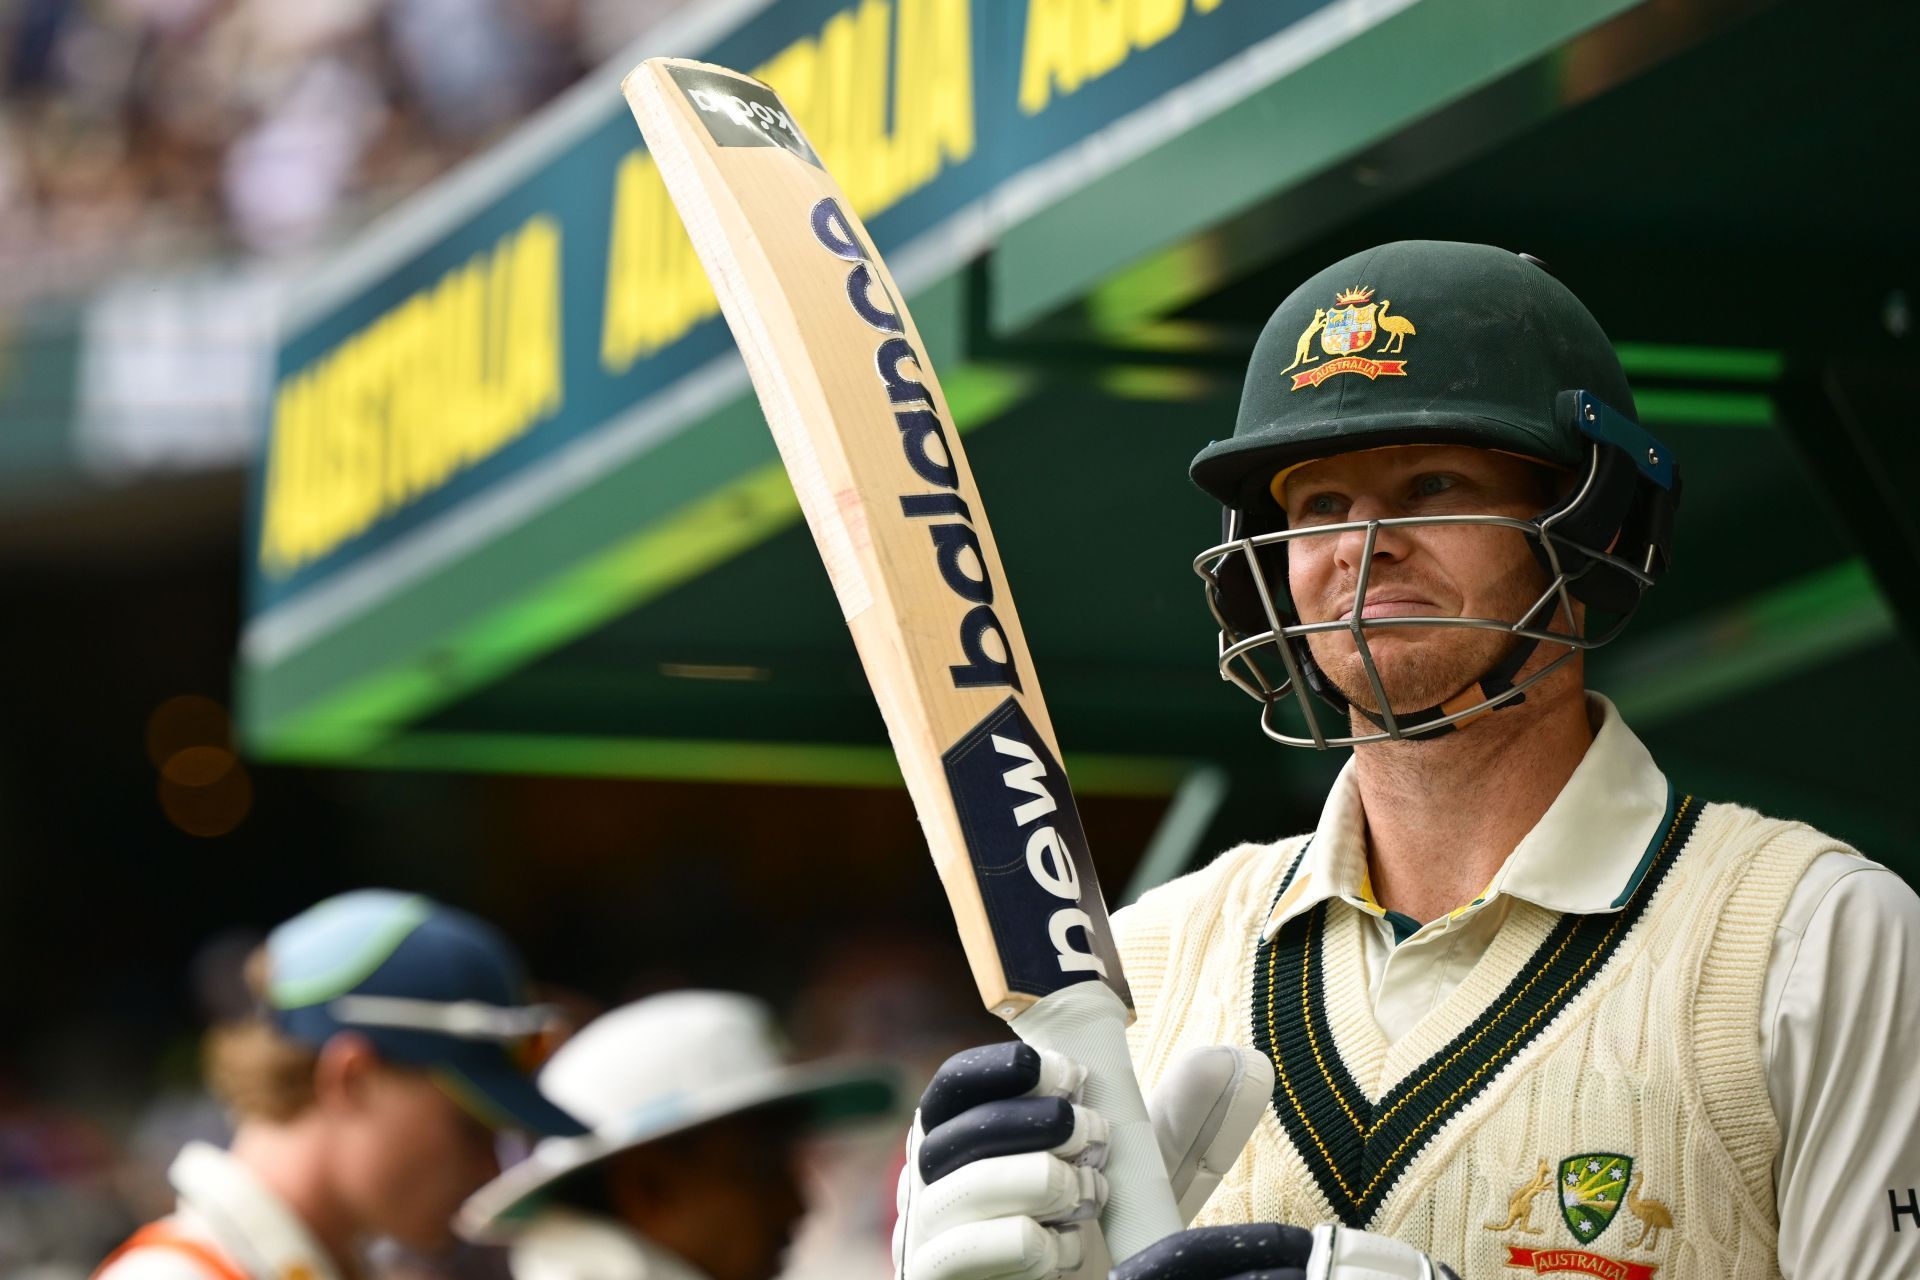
pixel 343 1072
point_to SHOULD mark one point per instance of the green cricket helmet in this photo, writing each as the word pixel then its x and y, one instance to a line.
pixel 1432 342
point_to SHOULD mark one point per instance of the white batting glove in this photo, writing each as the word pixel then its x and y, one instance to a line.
pixel 1003 1181
pixel 1268 1251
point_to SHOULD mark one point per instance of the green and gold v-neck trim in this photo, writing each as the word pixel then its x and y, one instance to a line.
pixel 1357 1149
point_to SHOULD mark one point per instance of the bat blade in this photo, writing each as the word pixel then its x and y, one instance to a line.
pixel 866 436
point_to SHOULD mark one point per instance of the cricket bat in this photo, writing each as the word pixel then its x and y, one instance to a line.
pixel 875 459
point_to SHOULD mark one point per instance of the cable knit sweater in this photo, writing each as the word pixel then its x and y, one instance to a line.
pixel 1591 1099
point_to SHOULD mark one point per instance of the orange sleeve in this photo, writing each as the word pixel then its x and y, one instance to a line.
pixel 165 1235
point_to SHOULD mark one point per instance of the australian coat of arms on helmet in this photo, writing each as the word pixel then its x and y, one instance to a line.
pixel 1346 330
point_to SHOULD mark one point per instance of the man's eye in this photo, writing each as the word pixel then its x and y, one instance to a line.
pixel 1432 485
pixel 1320 504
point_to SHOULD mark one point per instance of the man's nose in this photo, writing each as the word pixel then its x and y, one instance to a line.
pixel 1350 547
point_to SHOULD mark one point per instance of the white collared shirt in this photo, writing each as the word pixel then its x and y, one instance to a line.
pixel 1840 1024
pixel 224 1207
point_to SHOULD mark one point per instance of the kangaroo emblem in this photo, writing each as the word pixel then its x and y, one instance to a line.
pixel 1520 1205
pixel 1303 354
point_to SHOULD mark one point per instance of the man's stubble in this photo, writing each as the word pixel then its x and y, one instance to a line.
pixel 1424 666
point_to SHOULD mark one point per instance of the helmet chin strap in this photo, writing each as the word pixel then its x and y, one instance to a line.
pixel 1497 680
pixel 1493 682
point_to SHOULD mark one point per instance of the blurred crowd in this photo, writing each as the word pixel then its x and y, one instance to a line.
pixel 142 132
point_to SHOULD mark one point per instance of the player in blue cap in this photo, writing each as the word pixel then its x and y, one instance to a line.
pixel 393 1042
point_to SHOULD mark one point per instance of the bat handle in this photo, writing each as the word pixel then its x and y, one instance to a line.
pixel 1088 1023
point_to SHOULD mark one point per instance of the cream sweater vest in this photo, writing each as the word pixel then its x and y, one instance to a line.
pixel 1609 1062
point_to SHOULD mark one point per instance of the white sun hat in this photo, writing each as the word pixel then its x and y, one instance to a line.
pixel 658 1067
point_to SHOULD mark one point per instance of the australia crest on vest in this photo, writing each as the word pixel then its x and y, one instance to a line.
pixel 1590 1188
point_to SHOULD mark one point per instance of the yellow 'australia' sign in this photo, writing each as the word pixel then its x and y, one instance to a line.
pixel 448 377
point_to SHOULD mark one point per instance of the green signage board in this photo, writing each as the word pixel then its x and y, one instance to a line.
pixel 512 410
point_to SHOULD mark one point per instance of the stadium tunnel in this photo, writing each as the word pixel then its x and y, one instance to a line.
pixel 515 606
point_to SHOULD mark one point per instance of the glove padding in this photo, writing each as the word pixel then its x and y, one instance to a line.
pixel 1269 1251
pixel 1003 1177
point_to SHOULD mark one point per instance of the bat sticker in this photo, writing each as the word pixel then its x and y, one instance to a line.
pixel 742 113
pixel 923 440
pixel 1030 856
